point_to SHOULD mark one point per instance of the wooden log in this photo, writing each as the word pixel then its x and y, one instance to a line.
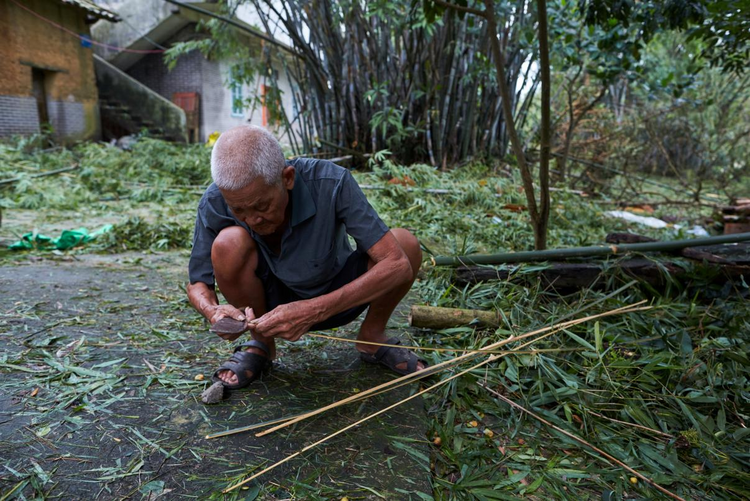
pixel 433 317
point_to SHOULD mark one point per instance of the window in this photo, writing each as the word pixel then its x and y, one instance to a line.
pixel 237 100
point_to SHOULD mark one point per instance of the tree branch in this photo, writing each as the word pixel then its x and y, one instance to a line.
pixel 459 8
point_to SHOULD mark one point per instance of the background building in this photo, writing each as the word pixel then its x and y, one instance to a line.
pixel 201 86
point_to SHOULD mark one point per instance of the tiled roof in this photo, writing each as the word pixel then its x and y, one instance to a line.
pixel 94 9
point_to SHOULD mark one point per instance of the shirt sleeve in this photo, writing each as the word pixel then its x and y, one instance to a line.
pixel 209 221
pixel 359 218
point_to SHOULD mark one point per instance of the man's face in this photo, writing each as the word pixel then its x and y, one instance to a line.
pixel 262 207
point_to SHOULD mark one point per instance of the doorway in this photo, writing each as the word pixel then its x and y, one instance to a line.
pixel 39 90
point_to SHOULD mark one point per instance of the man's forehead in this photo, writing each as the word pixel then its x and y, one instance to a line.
pixel 247 197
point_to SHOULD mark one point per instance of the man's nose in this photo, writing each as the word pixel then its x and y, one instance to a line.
pixel 253 220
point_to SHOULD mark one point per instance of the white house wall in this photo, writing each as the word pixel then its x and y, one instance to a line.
pixel 216 97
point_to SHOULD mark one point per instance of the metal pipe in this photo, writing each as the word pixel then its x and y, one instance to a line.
pixel 592 251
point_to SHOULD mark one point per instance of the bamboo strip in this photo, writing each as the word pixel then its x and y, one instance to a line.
pixel 489 359
pixel 425 348
pixel 634 425
pixel 424 373
pixel 609 457
pixel 386 390
pixel 356 423
pixel 255 426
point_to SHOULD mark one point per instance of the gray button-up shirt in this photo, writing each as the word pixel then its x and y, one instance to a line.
pixel 327 204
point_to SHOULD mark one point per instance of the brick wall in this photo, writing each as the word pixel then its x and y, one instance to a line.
pixel 18 115
pixel 68 119
pixel 186 76
pixel 30 42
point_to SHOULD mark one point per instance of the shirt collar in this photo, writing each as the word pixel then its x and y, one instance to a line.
pixel 303 206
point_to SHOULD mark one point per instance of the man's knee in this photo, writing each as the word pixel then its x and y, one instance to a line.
pixel 232 247
pixel 410 244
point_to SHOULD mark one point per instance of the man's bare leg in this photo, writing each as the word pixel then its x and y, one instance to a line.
pixel 381 309
pixel 234 256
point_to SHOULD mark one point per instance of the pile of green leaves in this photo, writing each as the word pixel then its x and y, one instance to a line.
pixel 153 170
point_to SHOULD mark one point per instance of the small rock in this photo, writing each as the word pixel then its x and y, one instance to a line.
pixel 213 393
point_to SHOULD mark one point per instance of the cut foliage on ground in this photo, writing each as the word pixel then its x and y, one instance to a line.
pixel 100 351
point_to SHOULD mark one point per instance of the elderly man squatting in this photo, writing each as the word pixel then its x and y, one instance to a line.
pixel 272 235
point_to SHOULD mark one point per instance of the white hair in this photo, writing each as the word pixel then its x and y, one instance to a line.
pixel 243 154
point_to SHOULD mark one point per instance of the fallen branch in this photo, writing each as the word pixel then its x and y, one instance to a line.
pixel 609 457
pixel 41 174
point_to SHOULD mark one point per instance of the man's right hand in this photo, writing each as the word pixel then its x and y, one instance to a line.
pixel 217 312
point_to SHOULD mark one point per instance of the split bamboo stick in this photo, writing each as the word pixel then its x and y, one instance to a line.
pixel 428 348
pixel 386 390
pixel 489 359
pixel 424 373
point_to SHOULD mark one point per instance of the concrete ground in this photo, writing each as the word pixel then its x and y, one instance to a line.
pixel 99 356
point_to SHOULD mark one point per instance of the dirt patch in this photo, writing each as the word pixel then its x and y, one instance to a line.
pixel 99 398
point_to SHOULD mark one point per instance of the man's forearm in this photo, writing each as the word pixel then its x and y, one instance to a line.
pixel 384 276
pixel 202 297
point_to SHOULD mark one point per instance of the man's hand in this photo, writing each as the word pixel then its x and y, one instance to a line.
pixel 217 312
pixel 287 321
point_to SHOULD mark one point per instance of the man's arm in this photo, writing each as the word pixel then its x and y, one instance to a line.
pixel 391 269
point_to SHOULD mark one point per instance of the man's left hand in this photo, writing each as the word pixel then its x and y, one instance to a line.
pixel 287 321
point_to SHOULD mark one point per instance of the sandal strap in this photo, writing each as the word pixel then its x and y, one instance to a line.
pixel 239 363
pixel 383 350
pixel 390 356
pixel 253 344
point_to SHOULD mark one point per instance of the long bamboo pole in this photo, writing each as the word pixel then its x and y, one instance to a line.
pixel 489 359
pixel 399 385
pixel 591 251
pixel 427 372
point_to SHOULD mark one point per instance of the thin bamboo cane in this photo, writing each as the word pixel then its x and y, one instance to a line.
pixel 426 348
pixel 386 390
pixel 424 373
pixel 489 359
pixel 255 426
pixel 582 441
pixel 399 385
pixel 634 425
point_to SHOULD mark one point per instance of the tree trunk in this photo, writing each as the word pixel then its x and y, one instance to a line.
pixel 540 226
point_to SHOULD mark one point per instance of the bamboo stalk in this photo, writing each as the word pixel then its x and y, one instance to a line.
pixel 386 390
pixel 424 373
pixel 591 251
pixel 426 348
pixel 609 457
pixel 489 359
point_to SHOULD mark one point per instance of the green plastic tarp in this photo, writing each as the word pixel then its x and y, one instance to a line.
pixel 67 239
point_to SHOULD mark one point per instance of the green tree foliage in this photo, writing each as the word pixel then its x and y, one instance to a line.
pixel 722 25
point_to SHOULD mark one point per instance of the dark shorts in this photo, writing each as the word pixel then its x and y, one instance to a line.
pixel 278 293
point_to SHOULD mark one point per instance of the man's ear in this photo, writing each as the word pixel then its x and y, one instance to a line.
pixel 287 177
